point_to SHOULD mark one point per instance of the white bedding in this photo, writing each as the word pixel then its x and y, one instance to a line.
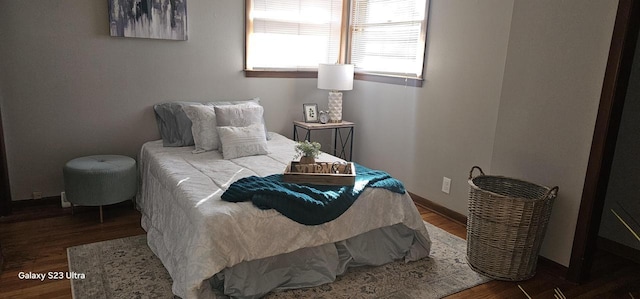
pixel 196 235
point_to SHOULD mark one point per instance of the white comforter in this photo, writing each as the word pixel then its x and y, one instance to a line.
pixel 196 234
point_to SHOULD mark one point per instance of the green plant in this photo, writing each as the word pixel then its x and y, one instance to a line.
pixel 307 149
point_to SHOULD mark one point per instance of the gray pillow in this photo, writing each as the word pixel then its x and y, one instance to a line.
pixel 173 123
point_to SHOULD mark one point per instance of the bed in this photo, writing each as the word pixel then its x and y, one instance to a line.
pixel 212 247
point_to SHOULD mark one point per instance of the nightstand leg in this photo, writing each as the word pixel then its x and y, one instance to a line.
pixel 335 141
pixel 295 133
pixel 101 214
pixel 351 146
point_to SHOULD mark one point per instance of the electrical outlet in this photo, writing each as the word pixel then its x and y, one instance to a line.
pixel 36 195
pixel 446 184
pixel 63 199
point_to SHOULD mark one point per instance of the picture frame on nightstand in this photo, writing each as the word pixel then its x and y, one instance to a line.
pixel 310 112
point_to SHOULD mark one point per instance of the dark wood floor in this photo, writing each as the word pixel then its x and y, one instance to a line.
pixel 40 246
pixel 37 245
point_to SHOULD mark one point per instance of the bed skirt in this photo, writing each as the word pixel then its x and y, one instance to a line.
pixel 309 267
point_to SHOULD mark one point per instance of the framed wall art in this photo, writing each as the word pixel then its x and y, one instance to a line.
pixel 310 113
pixel 159 19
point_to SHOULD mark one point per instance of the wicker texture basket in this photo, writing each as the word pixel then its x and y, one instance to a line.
pixel 506 225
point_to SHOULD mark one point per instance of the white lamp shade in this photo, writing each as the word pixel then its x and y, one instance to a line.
pixel 335 76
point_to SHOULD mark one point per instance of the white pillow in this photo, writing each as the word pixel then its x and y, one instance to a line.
pixel 242 141
pixel 203 128
pixel 240 115
pixel 254 101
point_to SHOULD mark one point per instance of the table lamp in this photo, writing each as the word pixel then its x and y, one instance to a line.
pixel 335 77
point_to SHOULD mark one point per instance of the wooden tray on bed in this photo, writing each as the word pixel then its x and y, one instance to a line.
pixel 321 173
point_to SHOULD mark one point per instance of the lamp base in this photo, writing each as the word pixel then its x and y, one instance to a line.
pixel 335 106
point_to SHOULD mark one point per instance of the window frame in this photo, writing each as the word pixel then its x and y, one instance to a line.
pixel 344 54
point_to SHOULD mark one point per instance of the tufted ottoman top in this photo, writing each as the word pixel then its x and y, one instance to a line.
pixel 100 180
pixel 101 163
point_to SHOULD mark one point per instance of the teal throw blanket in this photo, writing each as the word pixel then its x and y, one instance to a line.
pixel 308 204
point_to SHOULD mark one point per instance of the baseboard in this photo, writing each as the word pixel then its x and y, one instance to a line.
pixel 550 267
pixel 45 201
pixel 553 268
pixel 618 249
pixel 32 209
pixel 438 209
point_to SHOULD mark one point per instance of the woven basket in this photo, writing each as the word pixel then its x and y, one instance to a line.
pixel 506 225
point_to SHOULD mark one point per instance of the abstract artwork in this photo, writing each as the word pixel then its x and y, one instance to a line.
pixel 161 19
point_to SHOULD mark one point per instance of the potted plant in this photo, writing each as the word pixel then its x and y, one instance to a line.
pixel 307 151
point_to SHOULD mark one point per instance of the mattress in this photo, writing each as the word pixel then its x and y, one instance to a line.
pixel 196 235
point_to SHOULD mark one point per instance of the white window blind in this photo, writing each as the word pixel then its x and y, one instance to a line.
pixel 293 34
pixel 388 36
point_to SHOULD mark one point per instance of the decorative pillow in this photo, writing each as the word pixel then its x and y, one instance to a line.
pixel 242 141
pixel 225 103
pixel 255 101
pixel 175 126
pixel 173 123
pixel 204 131
pixel 239 115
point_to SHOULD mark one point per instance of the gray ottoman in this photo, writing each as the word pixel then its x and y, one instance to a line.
pixel 100 180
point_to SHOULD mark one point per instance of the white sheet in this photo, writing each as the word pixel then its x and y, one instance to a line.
pixel 196 234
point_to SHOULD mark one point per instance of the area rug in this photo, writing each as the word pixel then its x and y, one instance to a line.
pixel 126 268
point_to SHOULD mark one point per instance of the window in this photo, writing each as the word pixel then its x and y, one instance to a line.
pixel 293 34
pixel 387 36
pixel 385 39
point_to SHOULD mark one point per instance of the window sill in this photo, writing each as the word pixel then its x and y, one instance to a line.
pixel 280 74
pixel 388 79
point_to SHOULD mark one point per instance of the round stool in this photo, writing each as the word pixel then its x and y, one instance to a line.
pixel 99 180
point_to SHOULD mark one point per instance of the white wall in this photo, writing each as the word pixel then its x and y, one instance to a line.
pixel 530 117
pixel 72 90
pixel 550 94
pixel 442 129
